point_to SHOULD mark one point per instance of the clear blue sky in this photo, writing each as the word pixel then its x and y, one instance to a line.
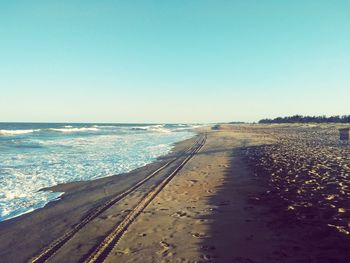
pixel 173 61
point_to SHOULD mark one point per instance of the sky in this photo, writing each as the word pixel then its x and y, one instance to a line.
pixel 173 61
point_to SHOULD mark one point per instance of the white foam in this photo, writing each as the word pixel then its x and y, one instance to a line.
pixel 152 128
pixel 145 128
pixel 66 158
pixel 105 126
pixel 68 129
pixel 16 132
pixel 10 212
pixel 158 129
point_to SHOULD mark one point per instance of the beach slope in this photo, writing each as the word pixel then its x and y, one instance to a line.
pixel 223 205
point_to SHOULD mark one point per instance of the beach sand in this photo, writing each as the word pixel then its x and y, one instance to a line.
pixel 223 206
pixel 204 214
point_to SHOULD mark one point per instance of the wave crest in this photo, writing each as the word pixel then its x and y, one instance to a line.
pixel 68 129
pixel 151 128
pixel 16 132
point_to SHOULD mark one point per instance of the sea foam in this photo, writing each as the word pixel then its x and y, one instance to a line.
pixel 38 156
pixel 71 129
pixel 17 132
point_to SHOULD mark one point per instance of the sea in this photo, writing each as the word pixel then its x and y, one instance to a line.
pixel 39 155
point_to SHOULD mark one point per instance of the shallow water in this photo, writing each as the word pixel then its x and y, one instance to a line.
pixel 38 155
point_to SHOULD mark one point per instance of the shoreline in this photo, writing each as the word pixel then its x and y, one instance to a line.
pixel 220 207
pixel 62 189
pixel 45 224
pixel 39 156
pixel 69 187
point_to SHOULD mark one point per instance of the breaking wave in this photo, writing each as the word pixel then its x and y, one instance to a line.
pixel 44 155
pixel 16 132
pixel 71 129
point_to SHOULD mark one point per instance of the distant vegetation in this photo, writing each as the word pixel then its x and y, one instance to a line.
pixel 307 119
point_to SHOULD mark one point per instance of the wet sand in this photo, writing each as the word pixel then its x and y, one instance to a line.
pixel 222 206
pixel 235 201
pixel 204 213
pixel 23 237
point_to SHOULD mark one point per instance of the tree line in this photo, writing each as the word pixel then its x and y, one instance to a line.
pixel 307 119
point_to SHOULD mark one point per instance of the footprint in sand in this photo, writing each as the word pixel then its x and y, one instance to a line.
pixel 166 244
pixel 198 235
pixel 122 252
pixel 180 214
pixel 165 249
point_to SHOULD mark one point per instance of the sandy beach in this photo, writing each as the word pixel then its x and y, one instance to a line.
pixel 175 131
pixel 252 193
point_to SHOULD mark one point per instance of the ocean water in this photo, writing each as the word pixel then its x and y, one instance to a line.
pixel 38 155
